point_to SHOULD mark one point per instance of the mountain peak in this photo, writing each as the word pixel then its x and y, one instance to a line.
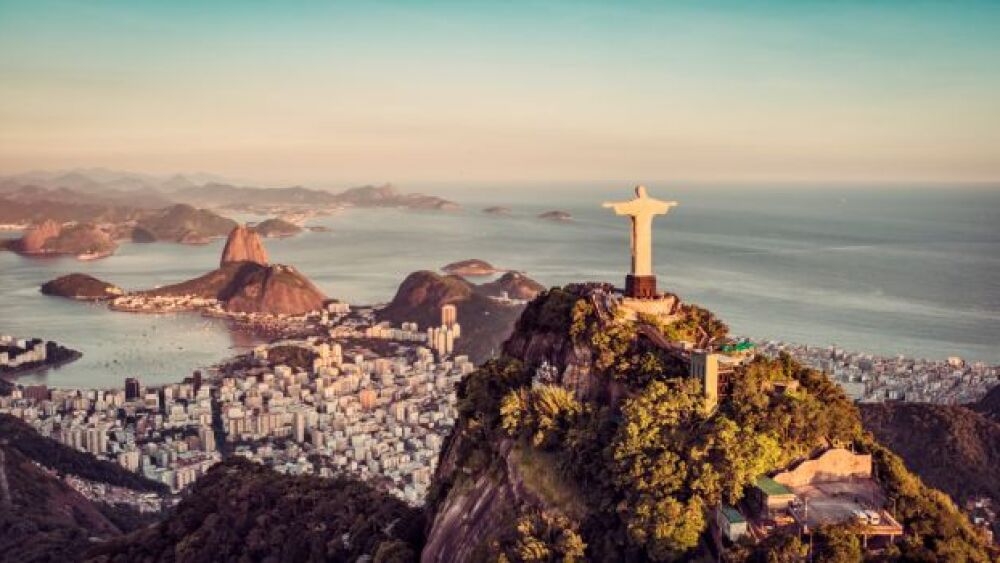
pixel 244 245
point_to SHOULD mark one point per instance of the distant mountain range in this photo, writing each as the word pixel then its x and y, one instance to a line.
pixel 97 194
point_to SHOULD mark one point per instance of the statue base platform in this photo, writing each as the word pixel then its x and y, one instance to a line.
pixel 640 287
pixel 662 306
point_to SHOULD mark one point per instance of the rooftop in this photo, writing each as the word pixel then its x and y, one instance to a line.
pixel 732 514
pixel 772 487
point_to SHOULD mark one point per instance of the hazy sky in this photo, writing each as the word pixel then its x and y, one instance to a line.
pixel 323 92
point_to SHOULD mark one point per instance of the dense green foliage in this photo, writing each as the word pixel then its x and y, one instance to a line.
pixel 801 420
pixel 671 463
pixel 648 467
pixel 551 312
pixel 296 357
pixel 618 351
pixel 936 530
pixel 966 445
pixel 241 511
pixel 696 324
pixel 540 537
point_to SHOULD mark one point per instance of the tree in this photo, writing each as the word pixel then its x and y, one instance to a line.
pixel 837 544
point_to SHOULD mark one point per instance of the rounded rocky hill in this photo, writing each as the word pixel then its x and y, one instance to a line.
pixel 181 223
pixel 81 286
pixel 276 228
pixel 486 323
pixel 49 237
pixel 81 239
pixel 421 295
pixel 275 290
pixel 516 285
pixel 37 235
pixel 966 445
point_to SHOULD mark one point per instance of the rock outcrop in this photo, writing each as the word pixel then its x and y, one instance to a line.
pixel 34 239
pixel 243 245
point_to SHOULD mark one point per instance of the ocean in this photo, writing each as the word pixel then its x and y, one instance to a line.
pixel 887 271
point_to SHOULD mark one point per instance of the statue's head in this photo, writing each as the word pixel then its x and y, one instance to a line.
pixel 640 191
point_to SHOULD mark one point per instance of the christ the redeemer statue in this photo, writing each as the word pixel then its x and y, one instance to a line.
pixel 641 283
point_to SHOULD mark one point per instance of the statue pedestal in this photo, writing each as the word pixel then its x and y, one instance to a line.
pixel 640 287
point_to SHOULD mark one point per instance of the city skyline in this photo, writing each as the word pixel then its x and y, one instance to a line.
pixel 527 92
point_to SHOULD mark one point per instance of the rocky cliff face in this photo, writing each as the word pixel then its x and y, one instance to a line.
pixel 37 235
pixel 243 245
pixel 474 508
pixel 275 290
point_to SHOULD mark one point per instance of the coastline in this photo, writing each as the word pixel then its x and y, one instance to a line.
pixel 39 367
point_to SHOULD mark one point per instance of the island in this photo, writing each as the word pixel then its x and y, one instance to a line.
pixel 497 210
pixel 388 196
pixel 557 216
pixel 277 228
pixel 471 267
pixel 81 287
pixel 87 241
